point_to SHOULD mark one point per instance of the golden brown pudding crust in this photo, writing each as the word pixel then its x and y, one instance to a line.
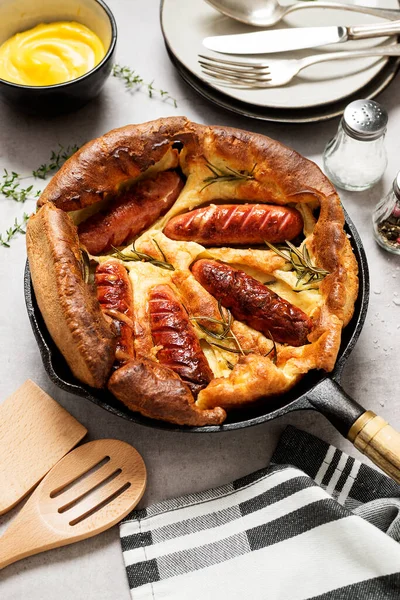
pixel 68 305
pixel 221 165
pixel 157 392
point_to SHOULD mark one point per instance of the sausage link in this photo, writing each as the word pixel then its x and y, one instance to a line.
pixel 171 329
pixel 130 213
pixel 236 224
pixel 114 293
pixel 254 303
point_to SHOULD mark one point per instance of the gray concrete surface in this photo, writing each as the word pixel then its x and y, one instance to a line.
pixel 177 463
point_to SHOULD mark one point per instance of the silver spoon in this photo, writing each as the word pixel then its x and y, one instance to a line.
pixel 265 13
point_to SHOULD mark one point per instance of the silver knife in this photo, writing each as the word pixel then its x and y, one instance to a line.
pixel 283 40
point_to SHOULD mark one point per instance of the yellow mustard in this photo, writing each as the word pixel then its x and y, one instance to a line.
pixel 50 53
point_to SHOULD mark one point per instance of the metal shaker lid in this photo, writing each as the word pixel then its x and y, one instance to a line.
pixel 365 120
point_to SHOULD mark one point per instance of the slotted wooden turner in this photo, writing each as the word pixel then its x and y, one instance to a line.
pixel 85 493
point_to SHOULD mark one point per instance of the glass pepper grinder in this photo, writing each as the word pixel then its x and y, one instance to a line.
pixel 355 159
pixel 386 219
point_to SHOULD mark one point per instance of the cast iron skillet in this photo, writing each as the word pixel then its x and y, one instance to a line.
pixel 317 390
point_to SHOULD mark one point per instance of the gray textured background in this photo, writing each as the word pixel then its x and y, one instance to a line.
pixel 177 463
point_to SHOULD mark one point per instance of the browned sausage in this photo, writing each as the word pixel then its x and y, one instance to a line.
pixel 236 224
pixel 252 302
pixel 114 293
pixel 130 213
pixel 171 329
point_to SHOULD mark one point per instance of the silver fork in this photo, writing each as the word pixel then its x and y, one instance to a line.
pixel 276 72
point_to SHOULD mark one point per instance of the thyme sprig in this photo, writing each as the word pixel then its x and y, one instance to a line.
pixel 225 333
pixel 226 174
pixel 300 262
pixel 57 159
pixel 136 256
pixel 132 80
pixel 11 232
pixel 10 183
pixel 10 187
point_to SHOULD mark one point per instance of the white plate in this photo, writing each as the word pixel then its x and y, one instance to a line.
pixel 289 115
pixel 186 23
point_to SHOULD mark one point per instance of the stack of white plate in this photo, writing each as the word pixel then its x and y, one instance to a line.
pixel 316 94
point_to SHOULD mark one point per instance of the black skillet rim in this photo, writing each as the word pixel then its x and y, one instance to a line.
pixel 54 363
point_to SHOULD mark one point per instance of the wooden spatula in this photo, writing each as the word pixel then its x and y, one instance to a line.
pixel 35 432
pixel 88 491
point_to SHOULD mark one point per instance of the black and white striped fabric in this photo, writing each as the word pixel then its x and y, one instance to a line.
pixel 314 524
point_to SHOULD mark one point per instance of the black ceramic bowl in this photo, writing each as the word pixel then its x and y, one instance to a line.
pixel 20 15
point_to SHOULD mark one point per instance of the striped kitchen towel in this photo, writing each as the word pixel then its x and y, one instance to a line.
pixel 314 524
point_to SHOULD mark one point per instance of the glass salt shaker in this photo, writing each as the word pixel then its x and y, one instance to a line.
pixel 386 219
pixel 355 159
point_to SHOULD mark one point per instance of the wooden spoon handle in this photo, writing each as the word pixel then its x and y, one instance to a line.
pixel 18 542
pixel 28 534
pixel 375 438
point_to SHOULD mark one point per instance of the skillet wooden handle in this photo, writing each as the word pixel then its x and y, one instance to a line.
pixel 375 438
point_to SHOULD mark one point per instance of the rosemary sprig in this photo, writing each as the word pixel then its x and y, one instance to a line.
pixel 273 349
pixel 309 287
pixel 300 262
pixel 136 256
pixel 210 332
pixel 132 80
pixel 233 350
pixel 57 159
pixel 85 265
pixel 226 174
pixel 225 334
pixel 12 231
pixel 157 245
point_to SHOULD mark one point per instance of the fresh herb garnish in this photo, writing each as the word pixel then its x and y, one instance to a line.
pixel 306 289
pixel 226 174
pixel 132 80
pixel 10 187
pixel 273 349
pixel 12 231
pixel 10 183
pixel 85 264
pixel 57 159
pixel 226 332
pixel 300 262
pixel 233 350
pixel 136 256
pixel 157 245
